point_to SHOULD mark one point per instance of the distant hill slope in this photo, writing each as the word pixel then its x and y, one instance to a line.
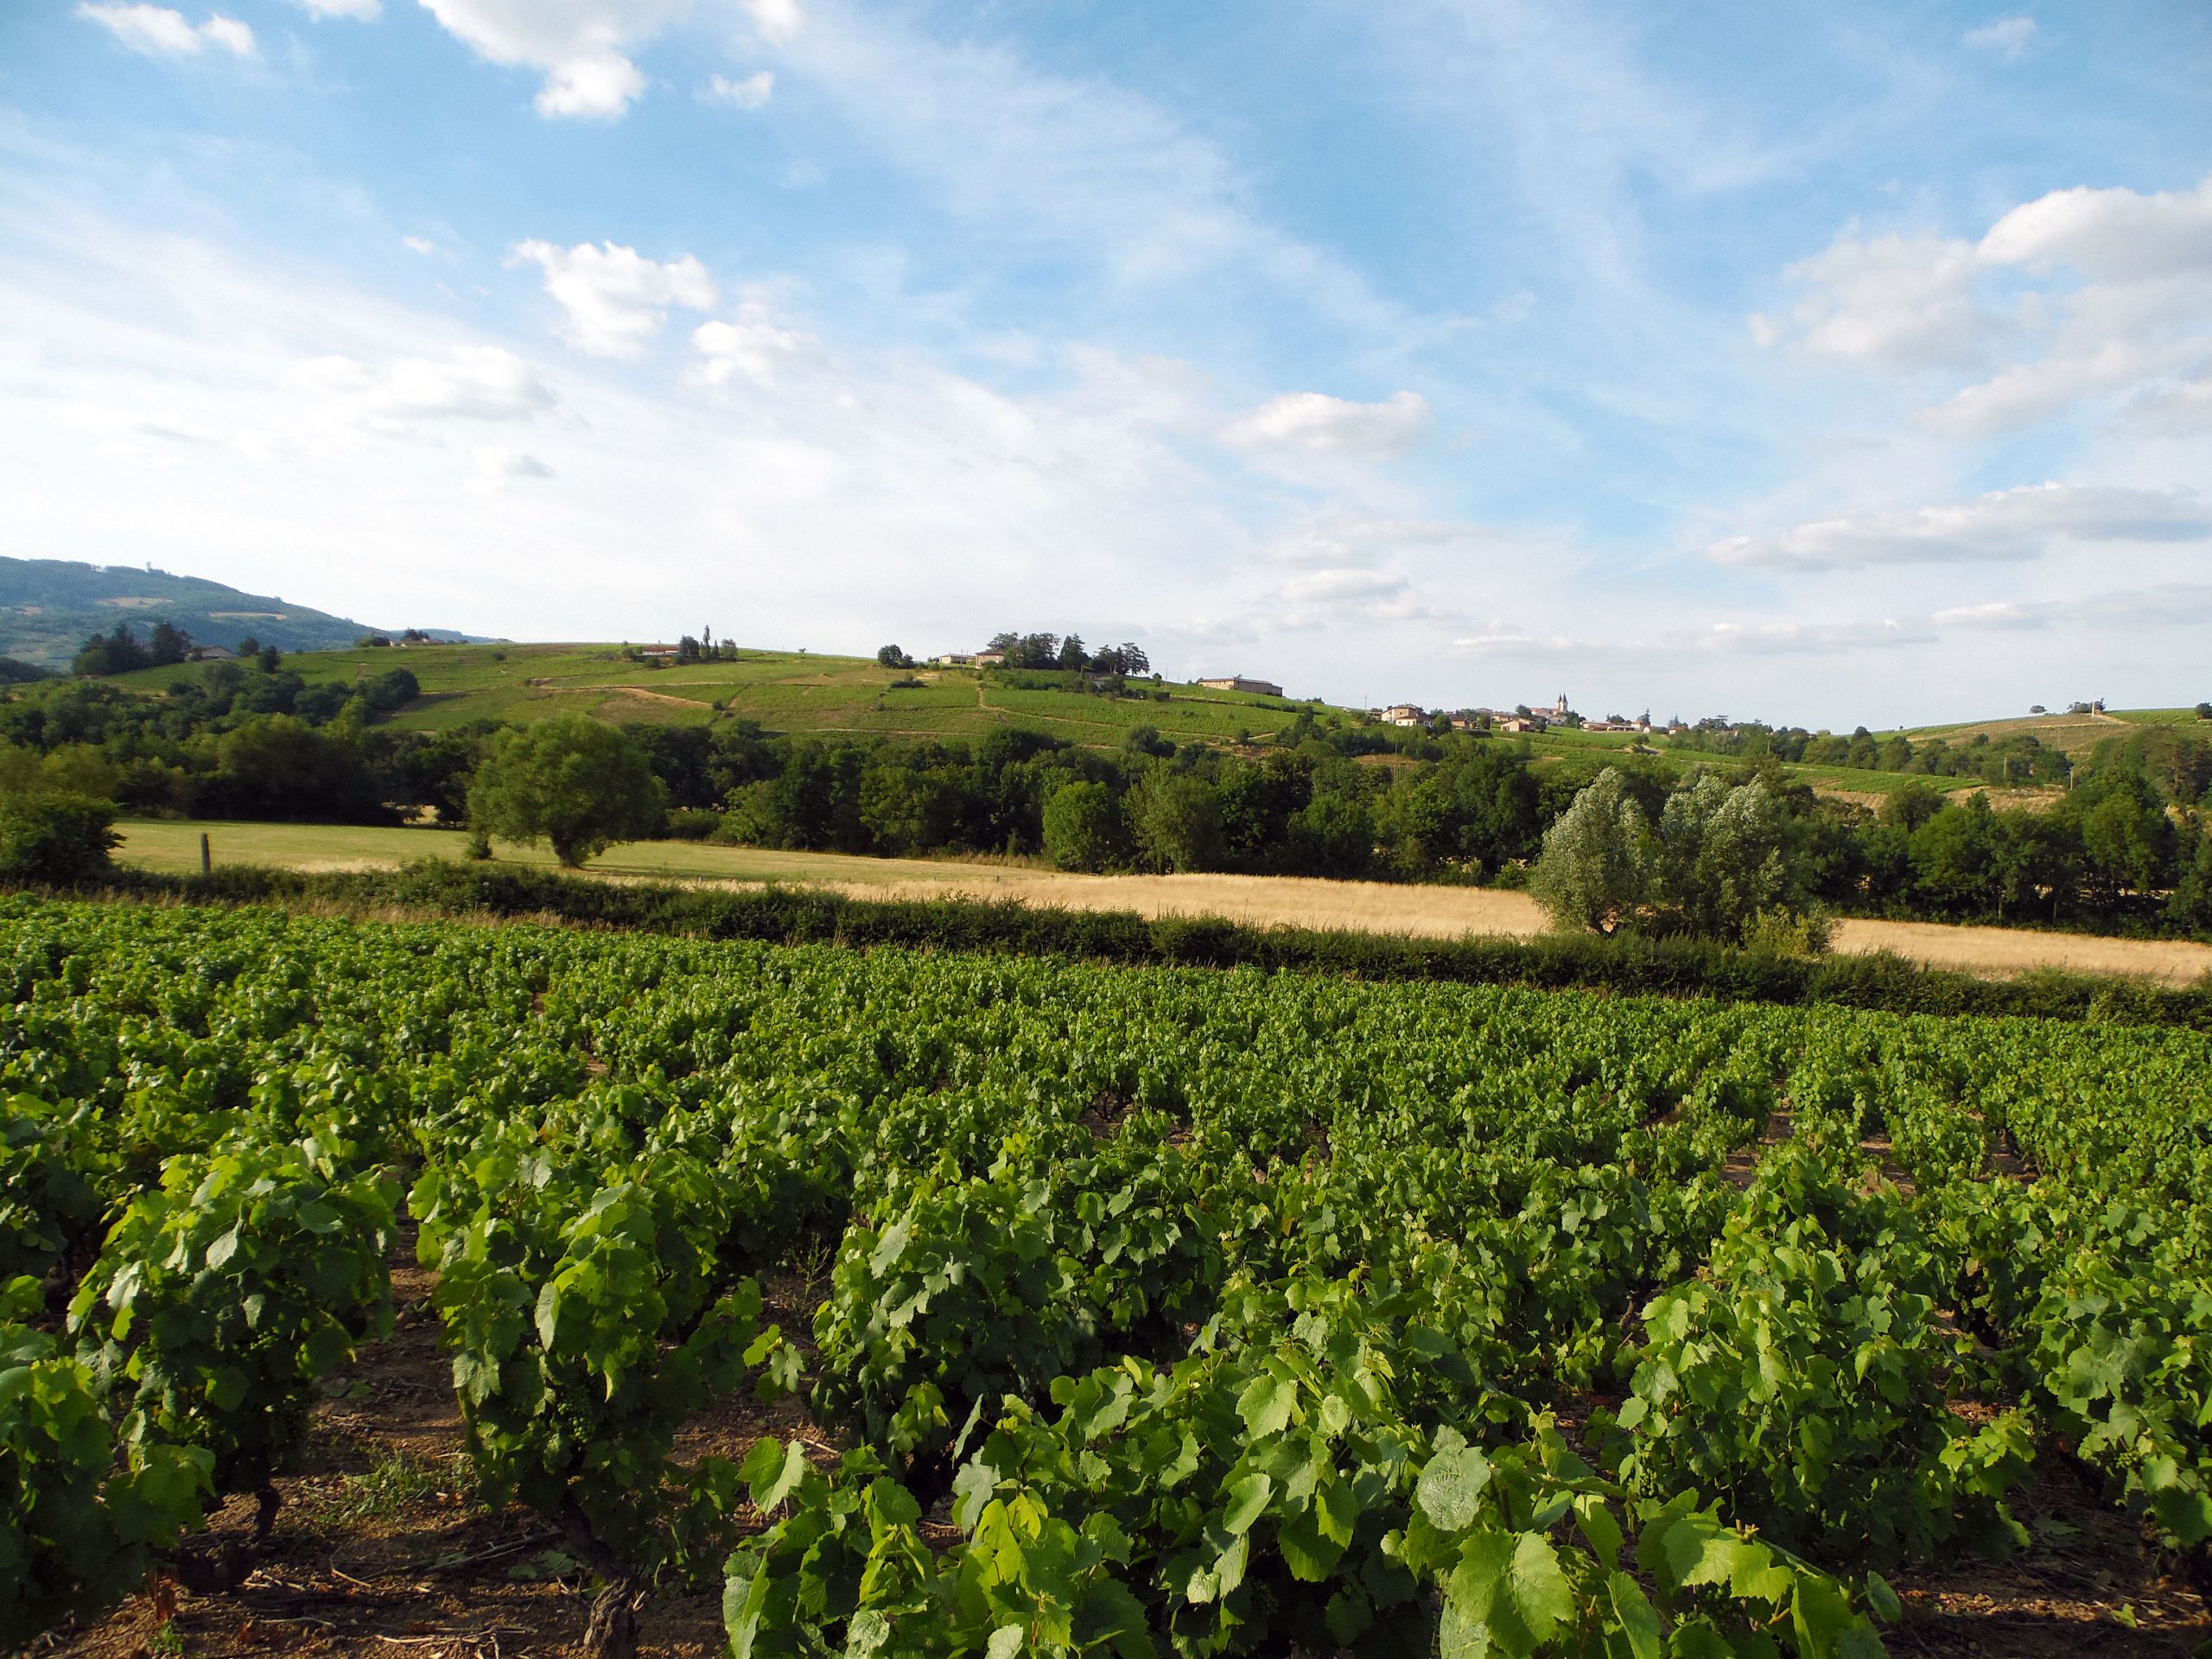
pixel 48 607
pixel 784 690
pixel 2077 734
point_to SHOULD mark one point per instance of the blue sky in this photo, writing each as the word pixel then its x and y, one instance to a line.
pixel 1821 364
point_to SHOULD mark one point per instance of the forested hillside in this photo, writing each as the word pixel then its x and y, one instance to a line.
pixel 49 608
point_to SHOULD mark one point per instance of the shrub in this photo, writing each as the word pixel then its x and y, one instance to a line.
pixel 1790 933
pixel 56 841
pixel 692 824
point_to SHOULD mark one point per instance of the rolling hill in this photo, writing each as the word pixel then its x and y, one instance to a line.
pixel 785 691
pixel 48 607
pixel 797 691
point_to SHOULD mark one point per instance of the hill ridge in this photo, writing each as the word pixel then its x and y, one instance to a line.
pixel 49 606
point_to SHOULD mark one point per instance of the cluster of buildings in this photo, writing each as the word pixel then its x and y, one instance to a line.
pixel 1558 712
pixel 1524 719
pixel 997 659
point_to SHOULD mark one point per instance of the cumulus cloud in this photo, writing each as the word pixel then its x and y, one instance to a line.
pixel 749 94
pixel 2011 524
pixel 752 345
pixel 581 44
pixel 777 22
pixel 1898 302
pixel 2078 295
pixel 476 382
pixel 365 10
pixel 613 299
pixel 1333 597
pixel 1316 422
pixel 418 244
pixel 2108 236
pixel 2007 38
pixel 159 32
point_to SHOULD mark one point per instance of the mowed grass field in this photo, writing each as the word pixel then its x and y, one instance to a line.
pixel 1370 906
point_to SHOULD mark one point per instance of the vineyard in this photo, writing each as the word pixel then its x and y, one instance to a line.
pixel 1139 1310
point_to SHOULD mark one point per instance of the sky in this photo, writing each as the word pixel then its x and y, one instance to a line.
pixel 1823 365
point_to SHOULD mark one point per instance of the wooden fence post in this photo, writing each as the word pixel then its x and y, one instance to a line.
pixel 206 856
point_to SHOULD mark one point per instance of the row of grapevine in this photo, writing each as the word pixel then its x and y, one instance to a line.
pixel 1210 1312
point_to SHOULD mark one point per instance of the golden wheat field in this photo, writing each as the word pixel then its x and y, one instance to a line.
pixel 1284 901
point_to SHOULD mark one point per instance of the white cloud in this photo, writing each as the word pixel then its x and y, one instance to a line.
pixel 581 44
pixel 1330 587
pixel 2078 295
pixel 477 383
pixel 2108 236
pixel 495 465
pixel 777 22
pixel 1899 302
pixel 749 94
pixel 1762 637
pixel 2011 524
pixel 2177 604
pixel 2007 38
pixel 1314 420
pixel 1337 598
pixel 1781 639
pixel 157 31
pixel 364 11
pixel 752 345
pixel 1335 536
pixel 418 244
pixel 1511 636
pixel 615 300
pixel 2183 407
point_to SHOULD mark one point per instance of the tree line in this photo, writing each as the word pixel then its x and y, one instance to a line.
pixel 2126 847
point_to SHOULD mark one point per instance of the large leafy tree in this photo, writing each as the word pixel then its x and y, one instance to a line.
pixel 1082 827
pixel 1177 820
pixel 1725 857
pixel 1594 872
pixel 570 782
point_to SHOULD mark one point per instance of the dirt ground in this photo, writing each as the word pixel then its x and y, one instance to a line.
pixel 380 1551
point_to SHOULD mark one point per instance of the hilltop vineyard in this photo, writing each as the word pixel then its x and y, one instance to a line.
pixel 1150 1311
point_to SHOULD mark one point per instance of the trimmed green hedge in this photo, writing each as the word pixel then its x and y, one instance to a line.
pixel 796 916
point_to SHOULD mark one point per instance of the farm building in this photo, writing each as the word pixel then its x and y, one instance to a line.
pixel 1239 683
